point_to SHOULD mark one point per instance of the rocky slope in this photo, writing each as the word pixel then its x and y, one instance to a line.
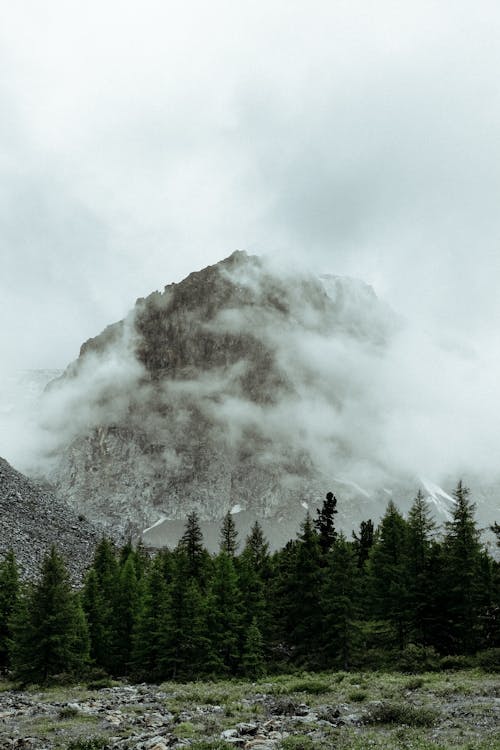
pixel 32 518
pixel 240 388
pixel 206 397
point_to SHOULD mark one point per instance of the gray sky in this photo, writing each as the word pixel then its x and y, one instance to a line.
pixel 142 140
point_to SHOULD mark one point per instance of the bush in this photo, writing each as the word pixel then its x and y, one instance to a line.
pixel 87 743
pixel 299 742
pixel 68 712
pixel 414 659
pixel 104 682
pixel 489 660
pixel 357 696
pixel 456 662
pixel 308 685
pixel 402 713
pixel 414 684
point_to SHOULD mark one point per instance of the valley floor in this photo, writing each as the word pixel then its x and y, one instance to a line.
pixel 459 710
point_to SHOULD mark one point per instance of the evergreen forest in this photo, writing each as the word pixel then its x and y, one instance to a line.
pixel 403 595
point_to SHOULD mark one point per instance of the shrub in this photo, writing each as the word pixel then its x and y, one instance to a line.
pixel 68 712
pixel 309 685
pixel 456 662
pixel 489 660
pixel 299 742
pixel 414 684
pixel 415 659
pixel 402 713
pixel 357 696
pixel 87 743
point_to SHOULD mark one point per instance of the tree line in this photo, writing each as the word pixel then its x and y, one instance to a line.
pixel 402 593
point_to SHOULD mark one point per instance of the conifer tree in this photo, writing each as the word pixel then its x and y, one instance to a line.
pixel 364 542
pixel 420 529
pixel 226 613
pixel 147 632
pixel 192 543
pixel 304 610
pixel 185 649
pixel 462 550
pixel 9 595
pixel 99 597
pixel 49 630
pixel 126 611
pixel 325 523
pixel 253 652
pixel 339 604
pixel 388 573
pixel 228 536
pixel 257 550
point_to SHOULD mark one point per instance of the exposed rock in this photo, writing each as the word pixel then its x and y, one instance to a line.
pixel 33 517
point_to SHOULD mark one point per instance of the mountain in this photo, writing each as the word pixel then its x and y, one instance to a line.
pixel 243 388
pixel 32 518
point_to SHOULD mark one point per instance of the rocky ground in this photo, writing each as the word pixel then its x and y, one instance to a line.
pixel 336 710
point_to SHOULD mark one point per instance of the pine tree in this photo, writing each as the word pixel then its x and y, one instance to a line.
pixel 257 550
pixel 304 610
pixel 192 543
pixel 388 573
pixel 147 632
pixel 99 597
pixel 462 550
pixel 228 536
pixel 364 542
pixel 126 611
pixel 226 613
pixel 420 530
pixel 253 652
pixel 325 523
pixel 50 635
pixel 9 595
pixel 339 604
pixel 184 646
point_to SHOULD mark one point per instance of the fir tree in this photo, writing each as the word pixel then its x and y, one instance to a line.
pixel 364 542
pixel 257 550
pixel 99 597
pixel 49 630
pixel 388 573
pixel 253 653
pixel 192 543
pixel 339 594
pixel 228 536
pixel 226 613
pixel 462 550
pixel 325 523
pixel 185 649
pixel 126 610
pixel 304 610
pixel 9 595
pixel 420 530
pixel 147 632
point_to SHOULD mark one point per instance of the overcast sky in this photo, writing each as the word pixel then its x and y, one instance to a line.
pixel 142 140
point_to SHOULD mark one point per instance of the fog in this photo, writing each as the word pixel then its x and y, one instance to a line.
pixel 140 142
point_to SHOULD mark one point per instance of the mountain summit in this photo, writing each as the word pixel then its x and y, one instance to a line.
pixel 233 389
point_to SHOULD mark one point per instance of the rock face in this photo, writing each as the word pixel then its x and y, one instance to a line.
pixel 208 397
pixel 32 518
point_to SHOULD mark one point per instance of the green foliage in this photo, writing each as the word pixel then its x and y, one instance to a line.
pixel 415 658
pixel 489 659
pixel 325 523
pixel 228 536
pixel 402 713
pixel 9 596
pixel 88 743
pixel 49 629
pixel 299 742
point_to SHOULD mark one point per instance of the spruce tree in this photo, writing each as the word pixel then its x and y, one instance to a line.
pixel 184 646
pixel 363 542
pixel 99 598
pixel 462 551
pixel 339 604
pixel 50 634
pixel 126 611
pixel 388 574
pixel 226 613
pixel 9 595
pixel 325 523
pixel 192 543
pixel 228 536
pixel 420 532
pixel 304 608
pixel 147 631
pixel 253 652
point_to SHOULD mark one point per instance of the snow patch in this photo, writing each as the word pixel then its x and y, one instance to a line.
pixel 236 509
pixel 438 497
pixel 305 505
pixel 352 484
pixel 158 522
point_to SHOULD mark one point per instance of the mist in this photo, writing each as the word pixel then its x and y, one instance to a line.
pixel 140 143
